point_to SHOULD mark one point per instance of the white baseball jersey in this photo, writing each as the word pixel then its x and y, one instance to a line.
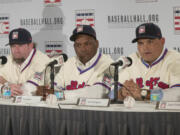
pixel 32 67
pixel 163 73
pixel 74 75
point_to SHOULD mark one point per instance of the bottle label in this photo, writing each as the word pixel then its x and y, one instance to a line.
pixel 7 93
pixel 156 95
pixel 59 95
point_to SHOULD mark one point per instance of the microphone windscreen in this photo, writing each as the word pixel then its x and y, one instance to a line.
pixel 3 60
pixel 65 57
pixel 130 61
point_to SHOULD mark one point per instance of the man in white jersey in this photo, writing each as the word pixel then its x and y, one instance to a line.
pixel 25 63
pixel 86 69
pixel 154 66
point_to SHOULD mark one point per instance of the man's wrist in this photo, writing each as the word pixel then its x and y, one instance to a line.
pixel 120 95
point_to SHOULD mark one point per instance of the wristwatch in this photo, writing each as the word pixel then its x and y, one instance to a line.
pixel 144 94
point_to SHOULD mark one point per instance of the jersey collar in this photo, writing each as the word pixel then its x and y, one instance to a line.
pixel 90 64
pixel 28 60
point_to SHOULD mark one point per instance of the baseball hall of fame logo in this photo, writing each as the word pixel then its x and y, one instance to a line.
pixel 177 48
pixel 85 17
pixel 115 52
pixel 131 20
pixel 52 2
pixel 4 25
pixel 53 48
pixel 176 12
pixel 13 1
pixel 143 1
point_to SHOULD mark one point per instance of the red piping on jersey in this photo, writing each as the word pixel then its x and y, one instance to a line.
pixel 176 85
pixel 82 71
pixel 29 60
pixel 156 62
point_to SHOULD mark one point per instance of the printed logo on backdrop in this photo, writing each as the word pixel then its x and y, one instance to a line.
pixel 176 11
pixel 13 1
pixel 53 48
pixel 114 52
pixel 85 17
pixel 130 20
pixel 52 19
pixel 52 2
pixel 4 51
pixel 52 23
pixel 177 49
pixel 4 25
pixel 143 1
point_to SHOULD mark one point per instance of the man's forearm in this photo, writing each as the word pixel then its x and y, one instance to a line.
pixel 2 80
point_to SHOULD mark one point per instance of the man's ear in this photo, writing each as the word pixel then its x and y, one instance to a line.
pixel 97 43
pixel 31 45
pixel 163 40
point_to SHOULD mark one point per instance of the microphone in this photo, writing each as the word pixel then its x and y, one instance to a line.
pixel 123 62
pixel 59 60
pixel 3 60
pixel 52 63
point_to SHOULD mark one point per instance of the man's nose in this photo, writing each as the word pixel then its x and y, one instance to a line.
pixel 82 47
pixel 146 45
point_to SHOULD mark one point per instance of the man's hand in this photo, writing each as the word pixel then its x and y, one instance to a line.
pixel 2 80
pixel 16 89
pixel 130 88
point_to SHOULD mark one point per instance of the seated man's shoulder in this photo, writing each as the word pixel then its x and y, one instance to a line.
pixel 173 53
pixel 106 57
pixel 41 56
pixel 70 61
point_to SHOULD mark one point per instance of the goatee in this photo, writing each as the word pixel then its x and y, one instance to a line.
pixel 19 60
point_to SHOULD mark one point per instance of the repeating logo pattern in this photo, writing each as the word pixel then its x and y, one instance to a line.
pixel 52 1
pixel 13 1
pixel 85 17
pixel 177 48
pixel 177 20
pixel 4 24
pixel 53 48
pixel 131 20
pixel 5 51
pixel 142 1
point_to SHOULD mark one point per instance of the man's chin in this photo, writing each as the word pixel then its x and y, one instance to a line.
pixel 19 60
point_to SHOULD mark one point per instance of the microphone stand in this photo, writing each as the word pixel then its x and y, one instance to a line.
pixel 52 76
pixel 116 78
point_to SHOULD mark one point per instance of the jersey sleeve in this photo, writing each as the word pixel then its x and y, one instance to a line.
pixel 174 73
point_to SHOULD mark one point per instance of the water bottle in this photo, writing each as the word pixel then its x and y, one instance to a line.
pixel 111 94
pixel 6 91
pixel 59 95
pixel 156 94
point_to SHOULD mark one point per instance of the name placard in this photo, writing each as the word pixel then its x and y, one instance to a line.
pixel 28 99
pixel 166 105
pixel 93 102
